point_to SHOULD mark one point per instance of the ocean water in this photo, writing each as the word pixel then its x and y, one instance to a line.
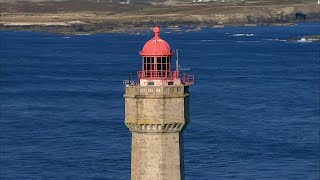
pixel 254 107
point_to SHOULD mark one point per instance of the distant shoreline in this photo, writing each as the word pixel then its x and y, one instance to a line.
pixel 89 17
pixel 72 30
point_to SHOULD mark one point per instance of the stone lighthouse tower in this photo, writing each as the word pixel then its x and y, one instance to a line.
pixel 156 112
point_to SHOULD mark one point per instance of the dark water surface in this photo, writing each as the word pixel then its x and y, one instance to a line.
pixel 254 107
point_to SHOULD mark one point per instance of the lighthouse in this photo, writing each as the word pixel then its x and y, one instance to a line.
pixel 156 113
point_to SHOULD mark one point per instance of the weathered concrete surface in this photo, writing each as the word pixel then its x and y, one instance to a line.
pixel 157 115
pixel 156 105
pixel 156 156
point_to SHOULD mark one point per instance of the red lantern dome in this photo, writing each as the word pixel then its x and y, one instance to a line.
pixel 156 64
pixel 156 46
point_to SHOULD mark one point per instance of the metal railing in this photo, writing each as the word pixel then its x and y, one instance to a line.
pixel 130 83
pixel 158 74
pixel 187 79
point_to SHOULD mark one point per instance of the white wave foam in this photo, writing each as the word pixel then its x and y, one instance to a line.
pixel 249 41
pixel 270 39
pixel 240 34
pixel 281 40
pixel 304 40
pixel 207 40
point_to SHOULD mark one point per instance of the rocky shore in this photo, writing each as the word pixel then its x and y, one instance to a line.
pixel 84 17
pixel 314 38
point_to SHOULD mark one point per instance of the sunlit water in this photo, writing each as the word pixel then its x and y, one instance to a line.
pixel 254 107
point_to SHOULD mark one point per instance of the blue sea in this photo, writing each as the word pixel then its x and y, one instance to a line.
pixel 254 106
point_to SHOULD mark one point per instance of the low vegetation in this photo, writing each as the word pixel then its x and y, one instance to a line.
pixel 96 16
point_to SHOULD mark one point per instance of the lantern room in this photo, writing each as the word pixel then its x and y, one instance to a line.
pixel 156 64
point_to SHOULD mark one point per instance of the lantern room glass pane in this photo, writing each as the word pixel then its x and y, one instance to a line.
pixel 164 60
pixel 164 67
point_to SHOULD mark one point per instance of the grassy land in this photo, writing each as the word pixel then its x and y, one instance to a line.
pixel 83 16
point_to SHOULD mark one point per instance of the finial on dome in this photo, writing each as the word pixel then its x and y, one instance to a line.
pixel 156 31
